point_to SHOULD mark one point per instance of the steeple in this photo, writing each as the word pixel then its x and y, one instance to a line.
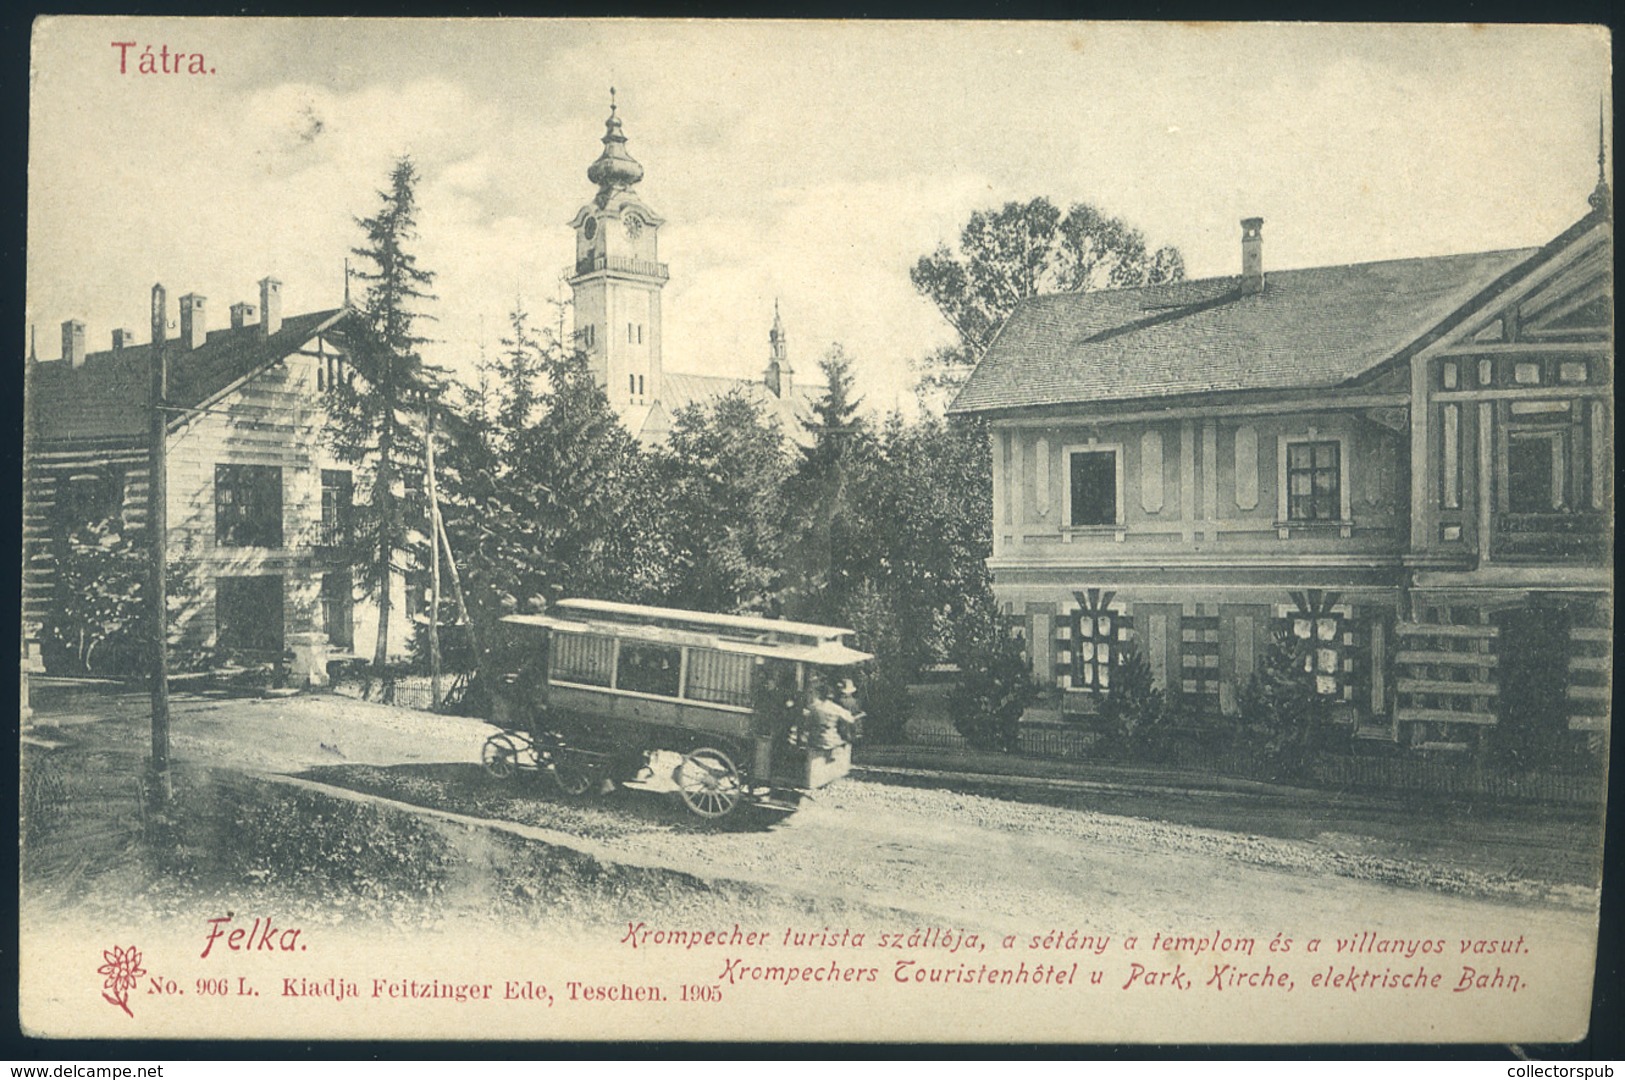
pixel 617 278
pixel 615 169
pixel 779 372
pixel 1601 198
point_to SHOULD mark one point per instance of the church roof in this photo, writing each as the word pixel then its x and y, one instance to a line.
pixel 679 390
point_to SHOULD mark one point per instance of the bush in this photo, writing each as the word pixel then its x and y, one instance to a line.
pixel 98 621
pixel 1135 718
pixel 994 689
pixel 883 684
pixel 1281 713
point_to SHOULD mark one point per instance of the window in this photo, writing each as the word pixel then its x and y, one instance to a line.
pixel 1094 651
pixel 1534 472
pixel 1092 487
pixel 649 669
pixel 86 498
pixel 722 678
pixel 1314 481
pixel 1097 634
pixel 338 497
pixel 640 386
pixel 631 384
pixel 583 658
pixel 587 336
pixel 1322 635
pixel 330 370
pixel 630 335
pixel 248 506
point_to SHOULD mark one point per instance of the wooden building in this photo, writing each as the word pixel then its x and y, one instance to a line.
pixel 258 508
pixel 1408 463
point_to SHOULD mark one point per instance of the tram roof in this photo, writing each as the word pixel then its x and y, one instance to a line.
pixel 807 642
pixel 680 618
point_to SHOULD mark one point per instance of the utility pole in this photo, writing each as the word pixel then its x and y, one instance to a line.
pixel 158 534
pixel 434 559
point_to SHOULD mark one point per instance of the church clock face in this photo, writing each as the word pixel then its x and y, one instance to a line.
pixel 634 226
pixel 590 229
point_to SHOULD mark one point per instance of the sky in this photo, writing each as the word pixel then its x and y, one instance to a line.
pixel 808 163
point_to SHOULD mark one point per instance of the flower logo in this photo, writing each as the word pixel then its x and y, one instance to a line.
pixel 122 969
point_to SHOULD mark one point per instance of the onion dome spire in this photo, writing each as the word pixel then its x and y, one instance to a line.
pixel 1601 197
pixel 615 169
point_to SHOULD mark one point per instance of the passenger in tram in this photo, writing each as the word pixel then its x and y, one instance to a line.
pixel 826 719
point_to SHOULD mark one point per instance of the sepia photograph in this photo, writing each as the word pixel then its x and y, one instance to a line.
pixel 815 531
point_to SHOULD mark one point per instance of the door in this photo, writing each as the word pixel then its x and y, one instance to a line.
pixel 1532 666
pixel 338 609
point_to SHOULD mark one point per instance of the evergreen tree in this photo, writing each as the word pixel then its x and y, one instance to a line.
pixel 571 483
pixel 373 421
pixel 722 473
pixel 519 369
pixel 831 549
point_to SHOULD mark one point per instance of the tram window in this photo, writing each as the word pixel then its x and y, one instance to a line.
pixel 649 669
pixel 583 658
pixel 722 678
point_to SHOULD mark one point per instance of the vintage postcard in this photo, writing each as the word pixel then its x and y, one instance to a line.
pixel 806 531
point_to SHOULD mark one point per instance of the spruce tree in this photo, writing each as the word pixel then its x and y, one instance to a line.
pixel 374 421
pixel 830 548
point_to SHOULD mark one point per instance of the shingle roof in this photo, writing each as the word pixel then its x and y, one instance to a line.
pixel 1309 328
pixel 107 396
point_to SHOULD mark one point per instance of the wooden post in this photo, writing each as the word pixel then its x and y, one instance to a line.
pixel 456 583
pixel 158 535
pixel 434 563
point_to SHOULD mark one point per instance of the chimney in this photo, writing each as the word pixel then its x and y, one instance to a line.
pixel 270 306
pixel 73 342
pixel 1252 256
pixel 243 314
pixel 122 340
pixel 194 325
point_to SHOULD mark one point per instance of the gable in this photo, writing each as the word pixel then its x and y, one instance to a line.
pixel 1563 298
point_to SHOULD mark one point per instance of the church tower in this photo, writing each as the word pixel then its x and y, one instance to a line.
pixel 618 277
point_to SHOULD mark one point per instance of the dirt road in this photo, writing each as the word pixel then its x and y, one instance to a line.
pixel 868 854
pixel 971 858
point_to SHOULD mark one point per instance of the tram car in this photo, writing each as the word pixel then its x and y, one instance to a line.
pixel 733 709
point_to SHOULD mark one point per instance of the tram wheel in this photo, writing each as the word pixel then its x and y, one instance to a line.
pixel 571 776
pixel 709 783
pixel 500 756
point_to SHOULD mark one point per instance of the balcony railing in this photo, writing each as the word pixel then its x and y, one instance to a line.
pixel 332 534
pixel 621 263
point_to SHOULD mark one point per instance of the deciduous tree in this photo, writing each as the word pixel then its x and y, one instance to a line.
pixel 1027 249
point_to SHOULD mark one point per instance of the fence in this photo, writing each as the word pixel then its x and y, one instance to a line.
pixel 1034 740
pixel 1402 773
